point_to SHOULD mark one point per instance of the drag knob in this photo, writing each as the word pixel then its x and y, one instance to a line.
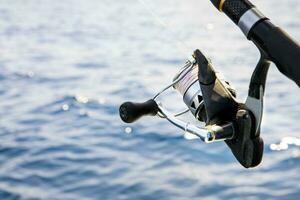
pixel 130 112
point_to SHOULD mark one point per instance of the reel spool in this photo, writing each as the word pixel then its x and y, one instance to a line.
pixel 188 86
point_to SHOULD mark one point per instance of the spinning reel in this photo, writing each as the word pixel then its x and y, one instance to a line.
pixel 212 100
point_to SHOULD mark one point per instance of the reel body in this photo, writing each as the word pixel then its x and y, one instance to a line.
pixel 211 100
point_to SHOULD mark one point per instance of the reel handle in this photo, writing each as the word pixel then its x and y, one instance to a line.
pixel 130 112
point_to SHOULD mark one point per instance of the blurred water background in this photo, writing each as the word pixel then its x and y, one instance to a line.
pixel 66 66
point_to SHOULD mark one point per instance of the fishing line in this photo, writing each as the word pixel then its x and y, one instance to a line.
pixel 188 76
pixel 182 45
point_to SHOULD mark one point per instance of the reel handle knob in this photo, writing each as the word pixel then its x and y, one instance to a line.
pixel 130 112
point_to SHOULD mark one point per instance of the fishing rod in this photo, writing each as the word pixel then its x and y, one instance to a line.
pixel 274 44
pixel 212 100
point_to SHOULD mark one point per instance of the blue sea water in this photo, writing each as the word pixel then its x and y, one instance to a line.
pixel 66 66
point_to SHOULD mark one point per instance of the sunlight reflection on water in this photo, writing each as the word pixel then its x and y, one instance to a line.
pixel 285 143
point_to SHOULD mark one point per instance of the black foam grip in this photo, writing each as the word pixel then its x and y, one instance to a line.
pixel 235 9
pixel 281 48
pixel 130 112
pixel 216 3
